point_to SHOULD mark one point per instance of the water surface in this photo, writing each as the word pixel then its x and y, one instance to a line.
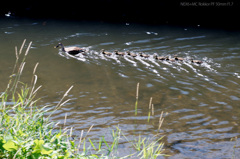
pixel 202 101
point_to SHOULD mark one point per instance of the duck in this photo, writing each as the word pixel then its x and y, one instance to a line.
pixel 168 59
pixel 106 53
pixel 178 58
pixel 131 54
pixel 143 55
pixel 159 57
pixel 119 53
pixel 196 61
pixel 71 50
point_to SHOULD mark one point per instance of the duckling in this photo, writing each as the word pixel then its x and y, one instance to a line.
pixel 106 53
pixel 71 50
pixel 196 61
pixel 167 59
pixel 119 53
pixel 131 54
pixel 159 57
pixel 178 58
pixel 143 55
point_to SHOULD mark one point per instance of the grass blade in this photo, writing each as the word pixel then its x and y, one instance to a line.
pixel 92 144
pixel 136 103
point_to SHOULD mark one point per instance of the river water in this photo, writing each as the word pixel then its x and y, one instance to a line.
pixel 200 102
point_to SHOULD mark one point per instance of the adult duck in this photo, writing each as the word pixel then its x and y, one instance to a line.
pixel 71 50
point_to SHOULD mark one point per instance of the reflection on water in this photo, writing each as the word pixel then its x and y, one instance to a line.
pixel 202 101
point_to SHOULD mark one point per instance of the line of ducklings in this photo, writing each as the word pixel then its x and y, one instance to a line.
pixel 77 50
pixel 155 56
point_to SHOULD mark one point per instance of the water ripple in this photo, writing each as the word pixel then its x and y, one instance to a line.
pixel 191 38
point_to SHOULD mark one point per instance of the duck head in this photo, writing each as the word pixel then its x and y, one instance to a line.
pixel 59 44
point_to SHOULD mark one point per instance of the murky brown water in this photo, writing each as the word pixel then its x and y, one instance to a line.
pixel 202 101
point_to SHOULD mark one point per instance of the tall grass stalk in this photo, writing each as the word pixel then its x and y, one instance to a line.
pixel 149 109
pixel 136 103
pixel 152 109
pixel 18 54
pixel 160 121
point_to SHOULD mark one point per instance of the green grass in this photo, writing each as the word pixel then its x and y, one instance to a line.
pixel 26 131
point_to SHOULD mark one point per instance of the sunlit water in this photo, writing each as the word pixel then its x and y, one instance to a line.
pixel 202 101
